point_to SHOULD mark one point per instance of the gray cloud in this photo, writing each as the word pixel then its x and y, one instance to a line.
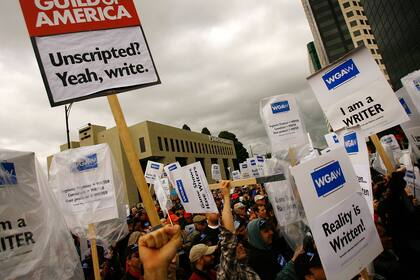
pixel 216 60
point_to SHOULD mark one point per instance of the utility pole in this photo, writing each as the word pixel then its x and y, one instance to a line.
pixel 67 113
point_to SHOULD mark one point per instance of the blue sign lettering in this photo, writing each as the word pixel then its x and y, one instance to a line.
pixel 7 174
pixel 335 138
pixel 328 178
pixel 340 74
pixel 279 107
pixel 89 162
pixel 181 191
pixel 405 106
pixel 350 143
pixel 172 167
pixel 154 166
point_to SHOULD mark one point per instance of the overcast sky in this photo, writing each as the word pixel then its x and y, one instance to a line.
pixel 216 60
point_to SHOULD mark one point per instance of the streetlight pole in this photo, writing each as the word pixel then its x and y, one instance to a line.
pixel 67 113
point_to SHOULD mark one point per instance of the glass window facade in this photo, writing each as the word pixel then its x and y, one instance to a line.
pixel 332 28
pixel 395 25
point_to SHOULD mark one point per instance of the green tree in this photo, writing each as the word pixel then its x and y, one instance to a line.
pixel 241 152
pixel 186 127
pixel 206 131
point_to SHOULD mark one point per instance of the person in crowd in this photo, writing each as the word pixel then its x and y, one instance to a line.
pixel 233 253
pixel 267 255
pixel 133 264
pixel 186 219
pixel 198 235
pixel 158 250
pixel 202 262
pixel 259 199
pixel 309 268
pixel 261 211
pixel 213 228
pixel 240 212
pixel 246 200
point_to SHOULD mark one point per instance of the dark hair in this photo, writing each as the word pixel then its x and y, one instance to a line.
pixel 131 250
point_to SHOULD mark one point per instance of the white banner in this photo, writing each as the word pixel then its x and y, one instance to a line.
pixel 411 83
pixel 253 167
pixel 215 172
pixel 169 169
pixel 83 182
pixel 354 91
pixel 153 171
pixel 282 122
pixel 32 227
pixel 328 188
pixel 193 190
pixel 162 197
pixel 260 164
pixel 332 140
pixel 236 175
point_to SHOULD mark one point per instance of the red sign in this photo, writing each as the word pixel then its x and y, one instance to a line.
pixel 52 17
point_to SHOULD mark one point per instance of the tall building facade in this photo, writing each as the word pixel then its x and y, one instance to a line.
pixel 160 143
pixel 396 27
pixel 339 26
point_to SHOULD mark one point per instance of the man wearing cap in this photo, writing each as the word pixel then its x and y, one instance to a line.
pixel 240 212
pixel 202 259
pixel 133 264
pixel 198 235
pixel 259 199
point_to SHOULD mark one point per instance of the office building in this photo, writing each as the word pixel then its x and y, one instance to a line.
pixel 396 26
pixel 339 26
pixel 161 143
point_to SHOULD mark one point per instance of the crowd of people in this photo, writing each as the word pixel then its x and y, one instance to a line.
pixel 243 240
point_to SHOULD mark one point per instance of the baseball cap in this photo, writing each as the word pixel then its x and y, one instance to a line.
pixel 258 197
pixel 238 205
pixel 199 219
pixel 200 250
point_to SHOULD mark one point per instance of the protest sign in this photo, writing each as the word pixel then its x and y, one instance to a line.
pixel 282 122
pixel 153 171
pixel 332 140
pixel 165 185
pixel 85 50
pixel 162 197
pixel 338 215
pixel 32 227
pixel 356 148
pixel 169 169
pixel 260 164
pixel 215 172
pixel 353 91
pixel 253 167
pixel 89 190
pixel 411 83
pixel 245 170
pixel 236 175
pixel 193 190
pixel 394 147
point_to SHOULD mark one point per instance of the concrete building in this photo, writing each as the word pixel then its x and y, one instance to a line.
pixel 395 25
pixel 161 143
pixel 339 26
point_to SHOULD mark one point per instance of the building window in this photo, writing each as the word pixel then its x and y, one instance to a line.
pixel 182 146
pixel 358 12
pixel 192 147
pixel 207 148
pixel 142 145
pixel 195 147
pixel 199 148
pixel 369 41
pixel 360 43
pixel 346 5
pixel 353 23
pixel 166 144
pixel 355 3
pixel 160 143
pixel 365 31
pixel 356 33
pixel 177 145
pixel 373 51
pixel 350 14
pixel 212 149
pixel 172 145
pixel 188 146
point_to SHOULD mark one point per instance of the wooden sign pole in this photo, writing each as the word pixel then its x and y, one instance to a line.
pixel 292 156
pixel 133 160
pixel 380 150
pixel 95 260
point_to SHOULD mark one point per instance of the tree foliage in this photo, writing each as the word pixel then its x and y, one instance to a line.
pixel 186 127
pixel 206 131
pixel 241 152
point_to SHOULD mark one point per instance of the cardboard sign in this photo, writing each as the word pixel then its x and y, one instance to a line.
pixel 32 227
pixel 356 148
pixel 153 171
pixel 236 175
pixel 282 122
pixel 392 143
pixel 88 49
pixel 338 215
pixel 353 91
pixel 411 83
pixel 215 172
pixel 245 170
pixel 332 140
pixel 253 167
pixel 83 182
pixel 169 169
pixel 260 164
pixel 163 198
pixel 193 190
